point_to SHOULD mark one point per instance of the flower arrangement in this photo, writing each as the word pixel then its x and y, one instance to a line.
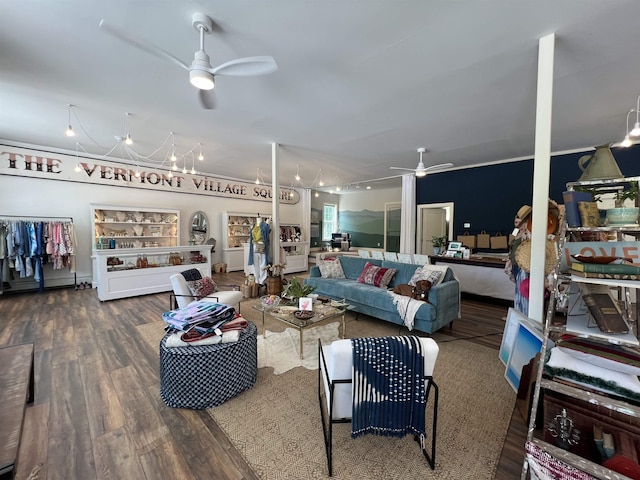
pixel 274 269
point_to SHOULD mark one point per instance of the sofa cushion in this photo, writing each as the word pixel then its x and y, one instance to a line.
pixel 331 269
pixel 353 266
pixel 378 276
pixel 433 273
pixel 201 288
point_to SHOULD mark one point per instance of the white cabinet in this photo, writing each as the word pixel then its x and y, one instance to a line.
pixel 126 272
pixel 236 232
pixel 134 227
pixel 296 256
pixel 235 243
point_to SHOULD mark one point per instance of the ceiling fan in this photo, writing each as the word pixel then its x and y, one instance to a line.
pixel 421 170
pixel 201 73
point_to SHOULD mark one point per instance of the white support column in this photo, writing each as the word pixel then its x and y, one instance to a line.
pixel 541 168
pixel 408 215
pixel 275 204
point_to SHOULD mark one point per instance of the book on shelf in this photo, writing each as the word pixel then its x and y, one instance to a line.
pixel 603 309
pixel 571 199
pixel 607 276
pixel 589 214
pixel 606 268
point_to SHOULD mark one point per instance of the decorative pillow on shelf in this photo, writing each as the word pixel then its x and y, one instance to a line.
pixel 203 287
pixel 433 273
pixel 378 276
pixel 331 269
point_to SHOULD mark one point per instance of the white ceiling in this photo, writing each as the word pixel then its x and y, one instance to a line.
pixel 360 86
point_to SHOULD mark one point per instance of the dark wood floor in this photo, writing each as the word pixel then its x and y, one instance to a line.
pixel 97 412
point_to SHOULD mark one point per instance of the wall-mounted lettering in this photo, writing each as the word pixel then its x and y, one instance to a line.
pixel 28 163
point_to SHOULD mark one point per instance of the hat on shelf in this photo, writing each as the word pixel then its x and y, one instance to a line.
pixel 523 256
pixel 524 212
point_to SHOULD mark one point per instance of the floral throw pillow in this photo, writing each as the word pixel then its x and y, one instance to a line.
pixel 433 273
pixel 331 269
pixel 378 276
pixel 202 287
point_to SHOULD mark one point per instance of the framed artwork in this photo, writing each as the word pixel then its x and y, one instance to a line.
pixel 315 216
pixel 454 246
pixel 526 344
pixel 509 334
pixel 306 303
pixel 315 230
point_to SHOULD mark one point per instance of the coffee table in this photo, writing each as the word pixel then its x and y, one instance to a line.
pixel 323 312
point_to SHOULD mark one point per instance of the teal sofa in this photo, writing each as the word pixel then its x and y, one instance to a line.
pixel 444 298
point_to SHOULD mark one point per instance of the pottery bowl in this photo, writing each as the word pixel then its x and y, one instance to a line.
pixel 622 216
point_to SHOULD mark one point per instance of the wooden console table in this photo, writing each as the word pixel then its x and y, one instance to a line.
pixel 16 390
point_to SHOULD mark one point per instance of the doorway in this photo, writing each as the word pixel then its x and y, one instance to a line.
pixel 434 220
pixel 392 214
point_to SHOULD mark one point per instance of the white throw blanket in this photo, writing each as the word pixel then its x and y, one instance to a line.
pixel 560 359
pixel 407 307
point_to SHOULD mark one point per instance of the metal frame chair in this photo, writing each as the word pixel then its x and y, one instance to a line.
pixel 338 395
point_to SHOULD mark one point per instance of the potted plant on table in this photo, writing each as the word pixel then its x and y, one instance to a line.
pixel 621 215
pixel 439 244
pixel 295 290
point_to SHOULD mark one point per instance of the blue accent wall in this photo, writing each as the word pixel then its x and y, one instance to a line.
pixel 488 197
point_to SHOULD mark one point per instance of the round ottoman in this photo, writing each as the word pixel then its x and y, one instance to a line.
pixel 208 375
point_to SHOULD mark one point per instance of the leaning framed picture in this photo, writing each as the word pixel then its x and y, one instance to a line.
pixel 514 318
pixel 526 344
pixel 508 336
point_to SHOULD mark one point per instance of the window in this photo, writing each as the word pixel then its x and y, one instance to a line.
pixel 329 221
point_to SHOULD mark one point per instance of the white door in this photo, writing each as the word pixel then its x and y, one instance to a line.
pixel 433 221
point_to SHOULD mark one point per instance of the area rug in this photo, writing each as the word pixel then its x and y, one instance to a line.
pixel 281 350
pixel 276 425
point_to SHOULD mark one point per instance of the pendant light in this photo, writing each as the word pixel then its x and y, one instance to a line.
pixel 69 131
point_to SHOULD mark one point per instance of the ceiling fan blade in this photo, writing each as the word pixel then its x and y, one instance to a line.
pixel 439 166
pixel 142 45
pixel 246 67
pixel 400 168
pixel 207 99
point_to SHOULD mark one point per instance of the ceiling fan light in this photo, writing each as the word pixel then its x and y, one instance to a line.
pixel 201 79
pixel 635 131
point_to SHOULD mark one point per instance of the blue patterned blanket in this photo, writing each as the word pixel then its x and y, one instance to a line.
pixel 388 386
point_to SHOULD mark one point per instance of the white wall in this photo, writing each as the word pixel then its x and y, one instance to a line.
pixel 43 198
pixel 370 199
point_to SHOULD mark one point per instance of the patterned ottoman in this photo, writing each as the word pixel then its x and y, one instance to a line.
pixel 208 375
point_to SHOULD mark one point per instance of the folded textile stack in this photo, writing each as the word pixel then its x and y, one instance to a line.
pixel 611 369
pixel 203 323
pixel 204 317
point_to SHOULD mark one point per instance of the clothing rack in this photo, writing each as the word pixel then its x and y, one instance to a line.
pixel 23 281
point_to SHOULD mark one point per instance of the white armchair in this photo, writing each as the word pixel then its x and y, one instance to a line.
pixel 335 382
pixel 182 295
